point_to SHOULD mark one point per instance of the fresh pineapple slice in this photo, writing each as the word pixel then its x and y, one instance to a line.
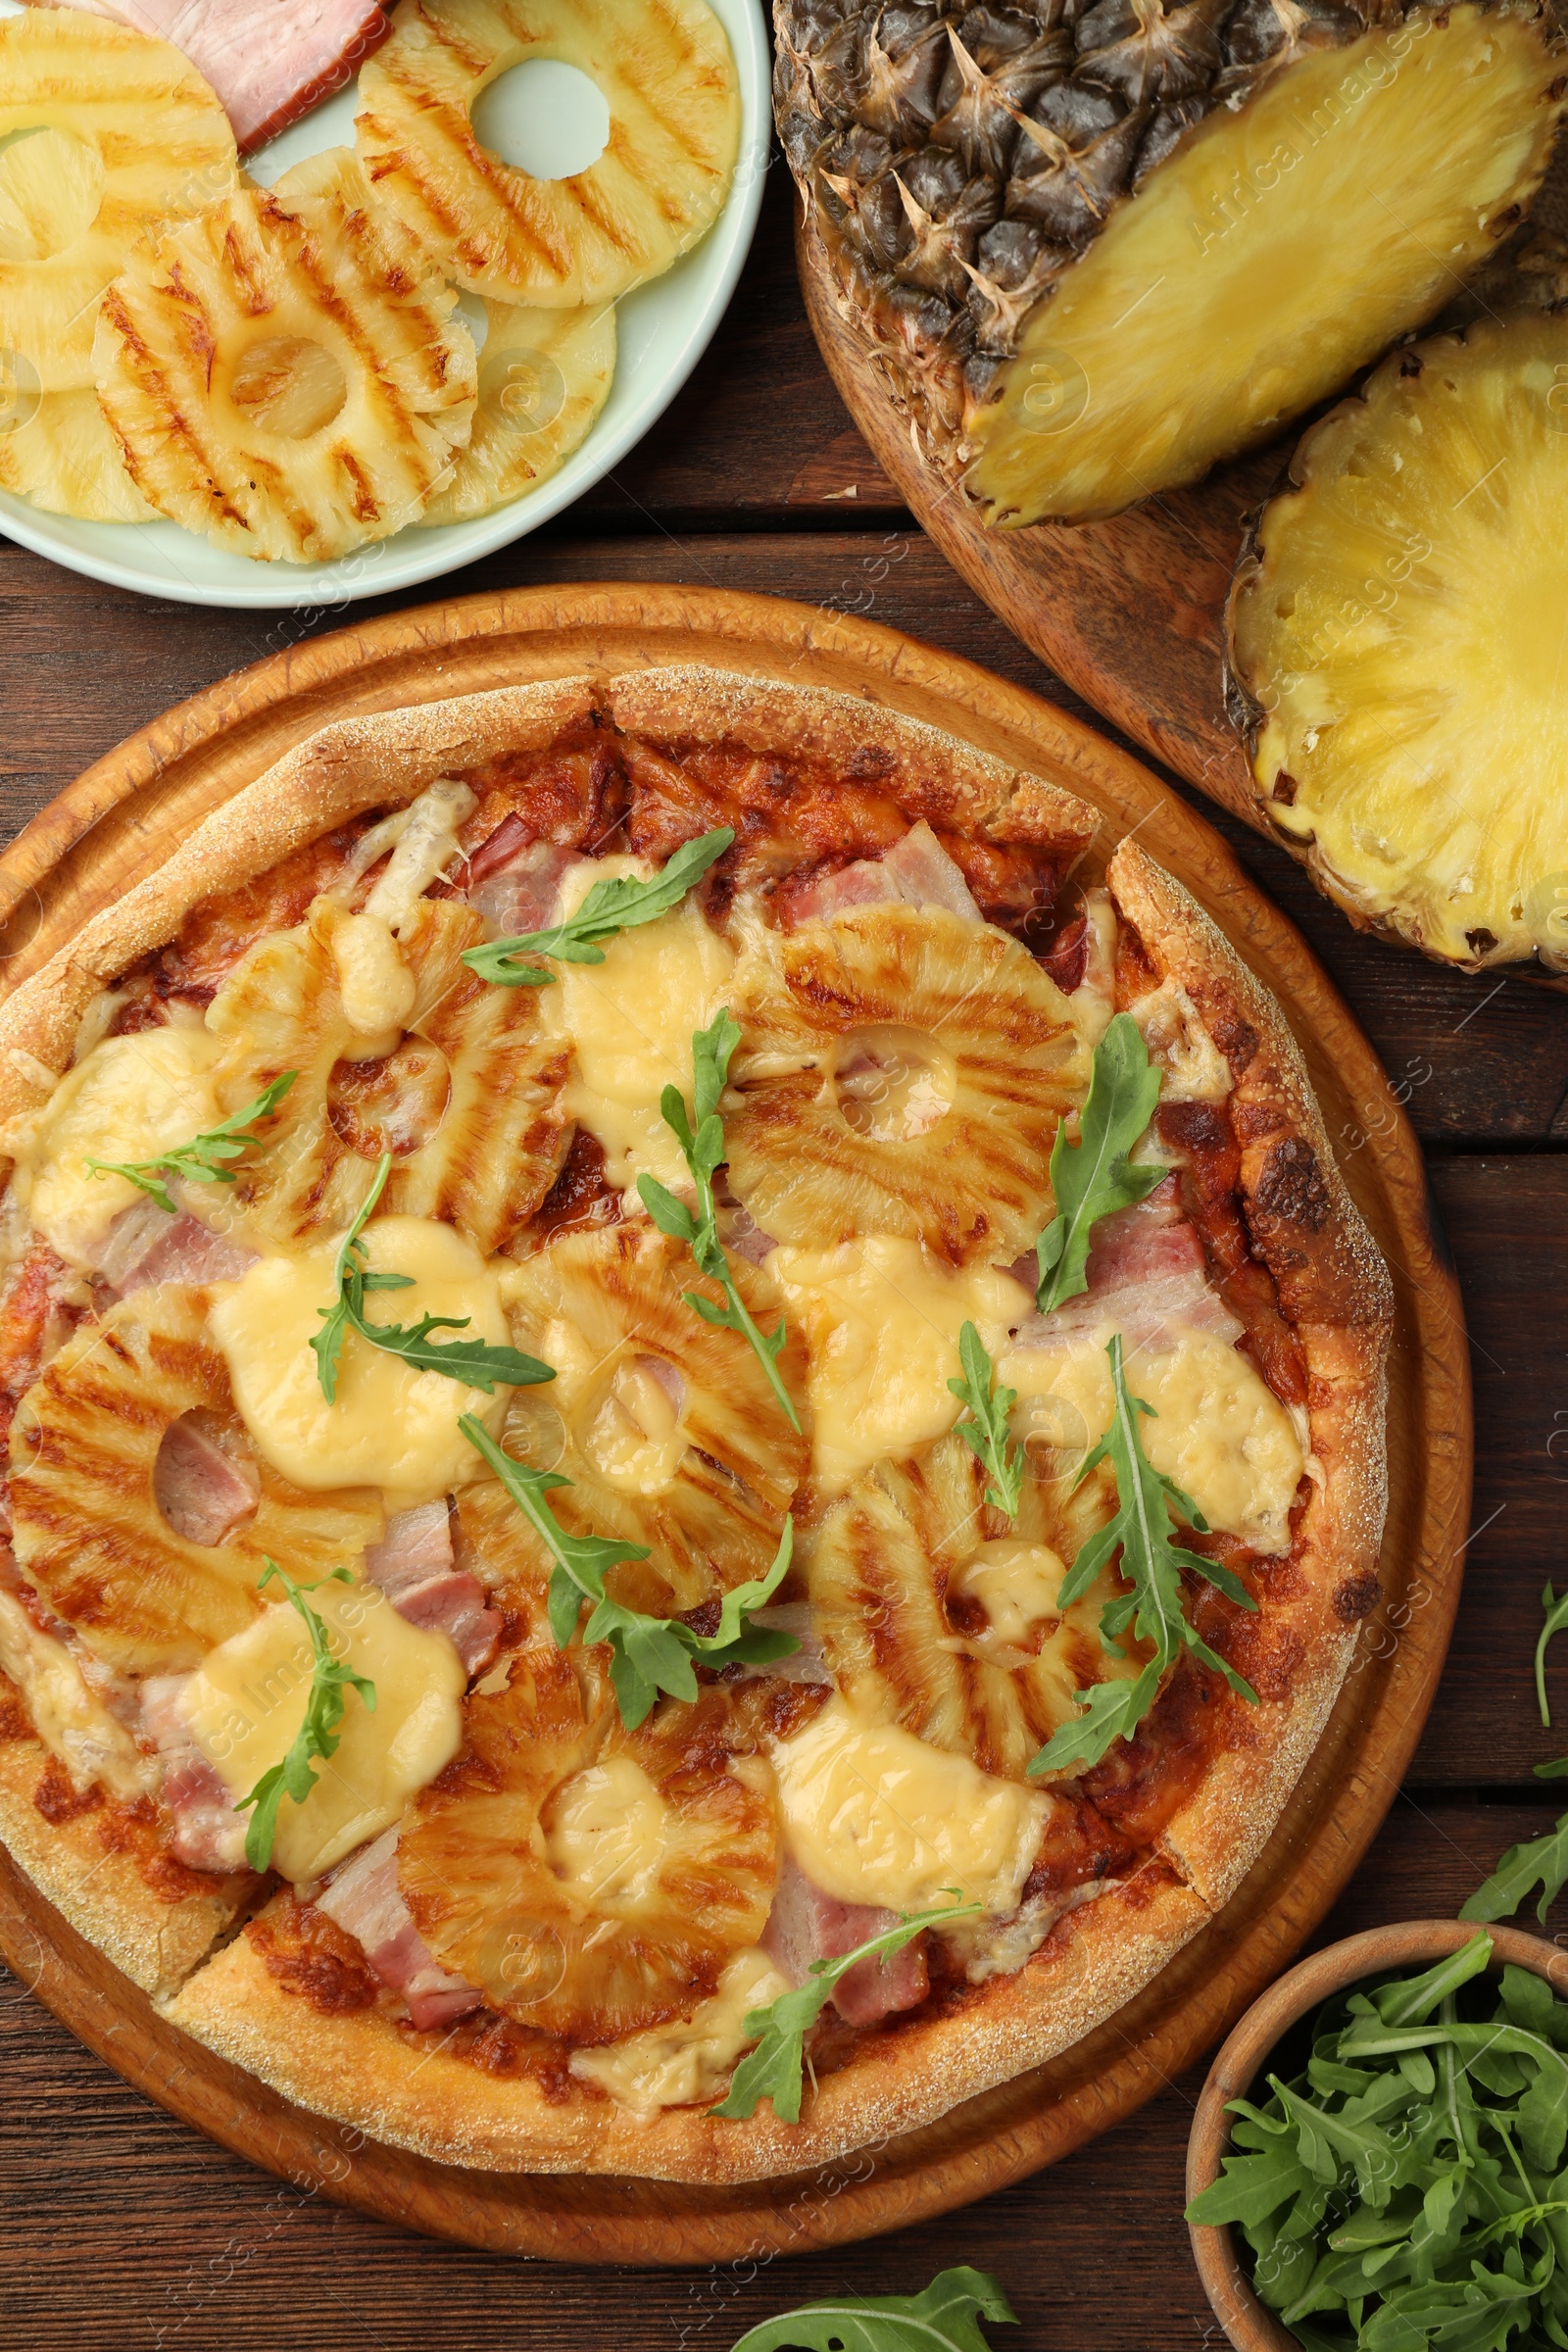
pixel 937 1614
pixel 666 71
pixel 591 1881
pixel 1095 251
pixel 87 1529
pixel 900 1071
pixel 665 1425
pixel 1398 631
pixel 544 376
pixel 281 380
pixel 104 135
pixel 62 455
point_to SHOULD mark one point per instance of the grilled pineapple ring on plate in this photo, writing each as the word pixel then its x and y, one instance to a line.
pixel 665 1425
pixel 590 1881
pixel 87 1528
pixel 666 71
pixel 281 379
pixel 544 376
pixel 104 135
pixel 62 456
pixel 939 1614
pixel 900 1071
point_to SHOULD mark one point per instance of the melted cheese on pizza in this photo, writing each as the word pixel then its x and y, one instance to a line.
pixel 375 987
pixel 873 1815
pixel 631 1020
pixel 130 1099
pixel 1217 1428
pixel 881 1320
pixel 245 1705
pixel 72 1723
pixel 691 2058
pixel 390 1425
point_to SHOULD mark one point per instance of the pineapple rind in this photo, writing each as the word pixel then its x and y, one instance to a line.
pixel 474 1865
pixel 1014 1064
pixel 88 1531
pixel 544 376
pixel 668 74
pixel 147 141
pixel 1399 630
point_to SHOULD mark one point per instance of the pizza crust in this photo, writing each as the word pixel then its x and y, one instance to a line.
pixel 363 2068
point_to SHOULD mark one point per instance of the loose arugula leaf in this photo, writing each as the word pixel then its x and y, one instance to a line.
pixel 703 1149
pixel 945 2318
pixel 1539 1861
pixel 985 1432
pixel 1556 1612
pixel 203 1160
pixel 318 1733
pixel 1152 1565
pixel 773 2070
pixel 1092 1178
pixel 620 903
pixel 646 1654
pixel 475 1363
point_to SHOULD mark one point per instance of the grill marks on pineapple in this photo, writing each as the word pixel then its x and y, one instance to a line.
pixel 88 1532
pixel 1002 1034
pixel 604 1933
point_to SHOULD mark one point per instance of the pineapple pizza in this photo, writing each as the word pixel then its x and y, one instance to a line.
pixel 694 1425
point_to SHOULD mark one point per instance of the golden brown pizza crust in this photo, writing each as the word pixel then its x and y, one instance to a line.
pixel 407 2088
pixel 101 1890
pixel 1335 1290
pixel 367 2072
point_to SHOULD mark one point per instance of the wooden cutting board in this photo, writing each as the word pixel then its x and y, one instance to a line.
pixel 118 822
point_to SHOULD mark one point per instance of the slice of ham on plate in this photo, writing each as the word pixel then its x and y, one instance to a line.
pixel 146 1244
pixel 364 1900
pixel 806 1924
pixel 209 1834
pixel 414 1566
pixel 916 872
pixel 269 61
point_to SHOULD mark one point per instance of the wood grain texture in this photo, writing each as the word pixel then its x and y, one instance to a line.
pixel 115 823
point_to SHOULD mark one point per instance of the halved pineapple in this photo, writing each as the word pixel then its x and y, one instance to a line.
pixel 62 456
pixel 1094 251
pixel 281 380
pixel 900 1071
pixel 104 135
pixel 544 376
pixel 937 1614
pixel 1398 631
pixel 666 71
pixel 665 1425
pixel 87 1529
pixel 591 1881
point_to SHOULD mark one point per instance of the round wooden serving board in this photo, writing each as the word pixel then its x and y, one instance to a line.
pixel 118 820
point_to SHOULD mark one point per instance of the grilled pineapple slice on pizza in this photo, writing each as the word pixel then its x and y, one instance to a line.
pixel 938 1613
pixel 1095 250
pixel 282 380
pixel 1397 632
pixel 590 1881
pixel 664 1424
pixel 900 1071
pixel 87 1529
pixel 544 376
pixel 104 136
pixel 666 73
pixel 59 453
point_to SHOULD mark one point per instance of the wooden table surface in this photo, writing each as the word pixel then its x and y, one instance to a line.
pixel 117 2226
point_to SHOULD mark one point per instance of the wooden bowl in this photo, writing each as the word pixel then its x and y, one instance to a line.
pixel 1250 2324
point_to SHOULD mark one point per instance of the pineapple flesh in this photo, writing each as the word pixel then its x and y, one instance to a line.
pixel 282 381
pixel 900 1071
pixel 87 1529
pixel 59 452
pixel 667 73
pixel 1308 185
pixel 590 1881
pixel 1396 632
pixel 664 1424
pixel 544 376
pixel 939 1614
pixel 105 137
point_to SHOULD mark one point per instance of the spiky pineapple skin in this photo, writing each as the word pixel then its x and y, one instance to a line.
pixel 956 162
